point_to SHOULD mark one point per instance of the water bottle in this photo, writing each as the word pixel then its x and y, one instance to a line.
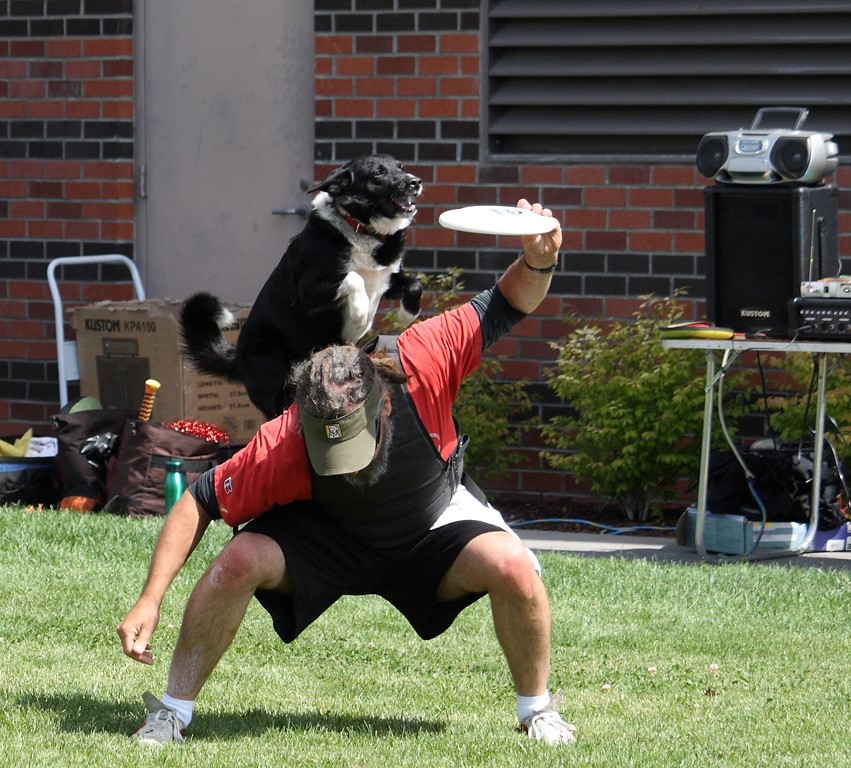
pixel 175 482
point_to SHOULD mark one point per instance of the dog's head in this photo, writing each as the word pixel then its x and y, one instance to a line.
pixel 374 190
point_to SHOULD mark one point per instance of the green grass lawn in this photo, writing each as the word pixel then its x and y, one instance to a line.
pixel 662 665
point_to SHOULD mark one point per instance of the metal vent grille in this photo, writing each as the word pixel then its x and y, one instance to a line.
pixel 646 79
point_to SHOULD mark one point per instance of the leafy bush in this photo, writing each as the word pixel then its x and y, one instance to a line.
pixel 637 408
pixel 486 408
pixel 792 415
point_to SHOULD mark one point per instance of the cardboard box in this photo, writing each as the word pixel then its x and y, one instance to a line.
pixel 735 534
pixel 832 540
pixel 120 344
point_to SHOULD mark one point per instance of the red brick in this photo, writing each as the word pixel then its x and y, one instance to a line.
pixel 651 198
pixel 354 108
pixel 332 44
pixel 629 174
pixel 64 48
pixel 471 65
pixel 657 242
pixel 396 108
pixel 631 218
pixel 396 65
pixel 64 210
pixel 26 209
pixel 606 241
pixel 417 86
pixel 81 109
pixel 675 219
pixel 335 87
pixel 108 47
pixel 460 43
pixel 13 68
pixel 585 175
pixel 438 108
pixel 108 89
pixel 13 108
pixel 27 89
pixel 457 174
pixel 376 87
pixel 674 175
pixel 605 197
pixel 16 229
pixel 459 86
pixel 84 69
pixel 116 230
pixel 689 242
pixel 471 108
pixel 437 65
pixel 416 43
pixel 106 170
pixel 45 230
pixel 46 109
pixel 81 230
pixel 25 329
pixel 27 49
pixel 540 174
pixel 621 308
pixel 353 66
pixel 46 189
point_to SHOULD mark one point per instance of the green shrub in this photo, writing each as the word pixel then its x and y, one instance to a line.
pixel 792 415
pixel 486 409
pixel 637 408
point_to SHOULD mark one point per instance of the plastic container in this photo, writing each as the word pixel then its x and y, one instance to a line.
pixel 174 483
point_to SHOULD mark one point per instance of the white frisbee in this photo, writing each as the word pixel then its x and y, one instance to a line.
pixel 496 220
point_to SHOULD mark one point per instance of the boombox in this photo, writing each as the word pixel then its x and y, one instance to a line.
pixel 768 156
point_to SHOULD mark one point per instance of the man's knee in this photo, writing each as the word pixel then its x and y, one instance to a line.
pixel 248 561
pixel 509 566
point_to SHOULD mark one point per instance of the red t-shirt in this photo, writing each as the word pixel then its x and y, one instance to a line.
pixel 437 354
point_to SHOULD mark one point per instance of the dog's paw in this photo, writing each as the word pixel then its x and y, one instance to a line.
pixel 357 316
pixel 404 317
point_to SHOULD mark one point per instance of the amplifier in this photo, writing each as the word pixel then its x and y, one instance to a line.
pixel 820 318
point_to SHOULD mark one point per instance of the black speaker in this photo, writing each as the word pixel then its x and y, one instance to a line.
pixel 711 155
pixel 761 243
pixel 791 156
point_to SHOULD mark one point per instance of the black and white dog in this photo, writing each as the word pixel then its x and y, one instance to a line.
pixel 326 288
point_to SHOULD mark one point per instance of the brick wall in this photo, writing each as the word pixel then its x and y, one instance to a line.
pixel 66 177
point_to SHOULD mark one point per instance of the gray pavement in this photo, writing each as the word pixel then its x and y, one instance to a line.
pixel 656 548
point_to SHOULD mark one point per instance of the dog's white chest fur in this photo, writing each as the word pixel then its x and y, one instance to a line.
pixel 366 280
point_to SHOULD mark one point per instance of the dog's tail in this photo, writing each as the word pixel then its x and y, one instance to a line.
pixel 202 319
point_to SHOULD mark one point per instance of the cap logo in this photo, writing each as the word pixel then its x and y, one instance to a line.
pixel 333 432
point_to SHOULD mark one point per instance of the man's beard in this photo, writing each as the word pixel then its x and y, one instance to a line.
pixel 375 470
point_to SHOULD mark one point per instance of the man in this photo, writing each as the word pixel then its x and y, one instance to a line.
pixel 357 489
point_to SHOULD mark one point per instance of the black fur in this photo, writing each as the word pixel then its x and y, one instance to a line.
pixel 326 288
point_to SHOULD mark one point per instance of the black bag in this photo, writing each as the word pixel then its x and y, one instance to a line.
pixel 87 440
pixel 136 481
pixel 28 480
pixel 782 479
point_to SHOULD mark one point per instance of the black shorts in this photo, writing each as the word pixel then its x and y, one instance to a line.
pixel 325 563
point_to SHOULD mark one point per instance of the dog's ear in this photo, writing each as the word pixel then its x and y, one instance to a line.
pixel 339 181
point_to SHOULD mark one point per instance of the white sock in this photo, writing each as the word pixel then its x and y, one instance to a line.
pixel 183 708
pixel 526 705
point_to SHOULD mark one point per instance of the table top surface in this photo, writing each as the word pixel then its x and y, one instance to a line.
pixel 768 345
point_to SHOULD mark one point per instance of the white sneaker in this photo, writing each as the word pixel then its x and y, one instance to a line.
pixel 546 724
pixel 161 726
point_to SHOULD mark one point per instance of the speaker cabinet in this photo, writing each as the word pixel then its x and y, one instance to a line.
pixel 761 243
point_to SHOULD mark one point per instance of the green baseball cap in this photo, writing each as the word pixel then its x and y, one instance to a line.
pixel 346 444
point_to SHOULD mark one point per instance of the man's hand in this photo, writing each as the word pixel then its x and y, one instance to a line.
pixel 135 631
pixel 540 250
pixel 524 284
